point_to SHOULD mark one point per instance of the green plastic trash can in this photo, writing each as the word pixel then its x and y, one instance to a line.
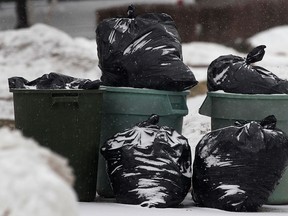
pixel 225 108
pixel 124 107
pixel 68 122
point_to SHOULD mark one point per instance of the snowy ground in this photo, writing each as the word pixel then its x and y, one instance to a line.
pixel 41 49
pixel 109 208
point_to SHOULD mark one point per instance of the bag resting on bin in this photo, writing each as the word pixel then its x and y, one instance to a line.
pixel 236 168
pixel 142 52
pixel 149 165
pixel 235 74
pixel 53 81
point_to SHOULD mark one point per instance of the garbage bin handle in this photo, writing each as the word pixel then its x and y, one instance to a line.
pixel 206 107
pixel 64 99
pixel 176 111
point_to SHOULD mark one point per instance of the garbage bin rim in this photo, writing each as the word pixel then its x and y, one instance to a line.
pixel 31 91
pixel 222 94
pixel 141 90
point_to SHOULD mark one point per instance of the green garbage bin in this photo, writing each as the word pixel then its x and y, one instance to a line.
pixel 124 107
pixel 68 122
pixel 225 108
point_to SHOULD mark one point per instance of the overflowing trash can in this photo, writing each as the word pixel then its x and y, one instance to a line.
pixel 226 108
pixel 140 57
pixel 68 122
pixel 123 107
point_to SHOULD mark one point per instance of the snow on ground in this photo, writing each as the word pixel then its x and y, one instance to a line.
pixel 276 56
pixel 194 124
pixel 198 55
pixel 203 53
pixel 275 39
pixel 188 209
pixel 34 180
pixel 41 49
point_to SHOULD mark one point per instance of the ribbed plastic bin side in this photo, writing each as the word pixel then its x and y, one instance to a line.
pixel 125 107
pixel 68 122
pixel 225 108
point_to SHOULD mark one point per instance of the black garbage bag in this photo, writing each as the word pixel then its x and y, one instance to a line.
pixel 235 74
pixel 142 52
pixel 53 81
pixel 236 168
pixel 149 165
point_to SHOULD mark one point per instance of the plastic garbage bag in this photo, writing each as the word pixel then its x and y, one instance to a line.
pixel 142 52
pixel 236 168
pixel 149 165
pixel 53 81
pixel 235 74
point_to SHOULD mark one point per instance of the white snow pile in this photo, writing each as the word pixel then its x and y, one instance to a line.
pixel 199 55
pixel 34 181
pixel 203 53
pixel 195 126
pixel 275 39
pixel 42 49
pixel 276 56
